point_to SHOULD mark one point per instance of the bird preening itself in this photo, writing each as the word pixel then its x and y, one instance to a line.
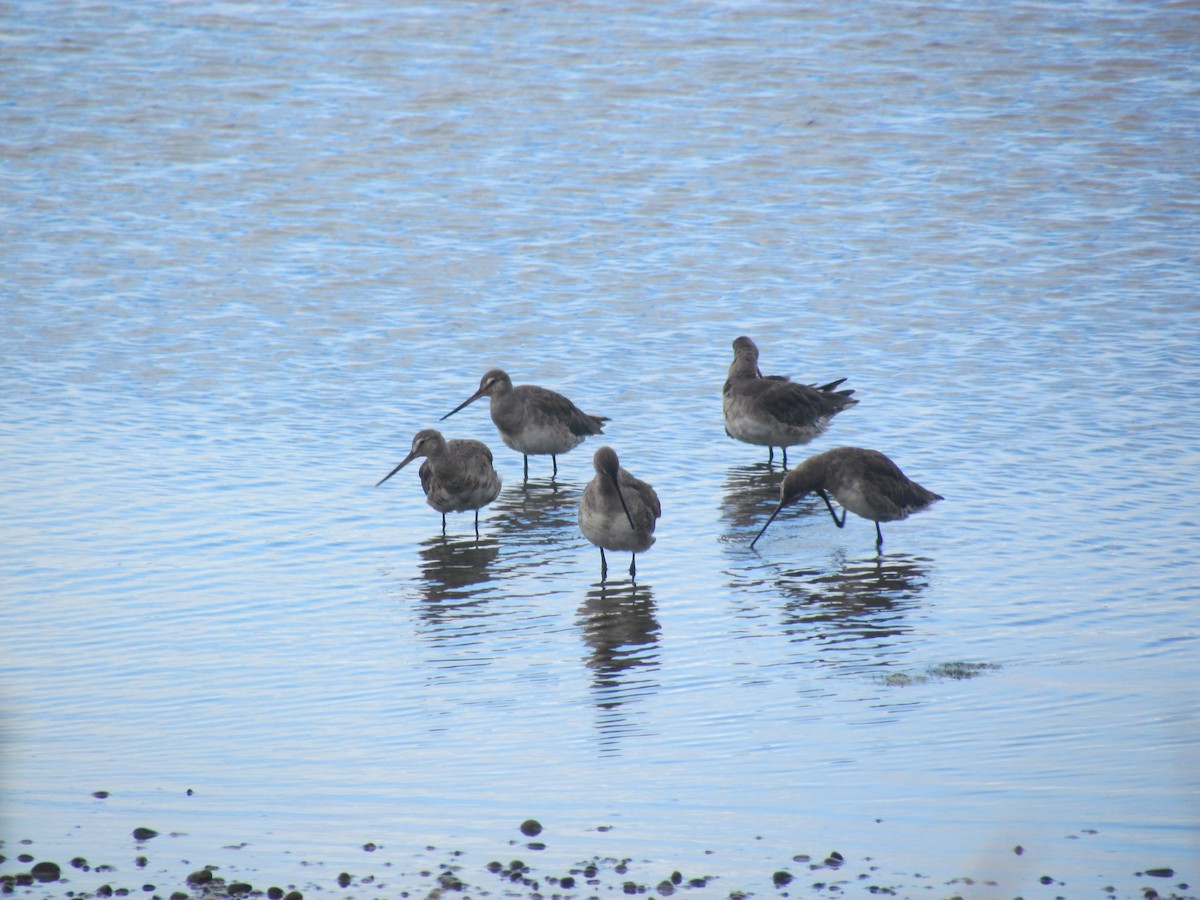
pixel 773 410
pixel 865 482
pixel 617 511
pixel 532 420
pixel 456 475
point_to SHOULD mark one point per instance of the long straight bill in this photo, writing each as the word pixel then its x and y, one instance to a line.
pixel 466 402
pixel 764 528
pixel 404 462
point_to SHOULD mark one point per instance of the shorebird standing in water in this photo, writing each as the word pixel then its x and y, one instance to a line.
pixel 532 420
pixel 617 511
pixel 456 476
pixel 773 410
pixel 865 482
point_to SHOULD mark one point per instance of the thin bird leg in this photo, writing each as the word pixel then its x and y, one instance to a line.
pixel 476 524
pixel 633 565
pixel 770 455
pixel 784 449
pixel 443 524
pixel 829 506
pixel 554 460
pixel 526 468
pixel 603 566
pixel 878 537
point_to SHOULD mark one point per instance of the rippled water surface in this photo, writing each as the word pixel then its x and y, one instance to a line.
pixel 251 249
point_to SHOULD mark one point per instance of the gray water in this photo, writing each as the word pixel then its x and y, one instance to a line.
pixel 250 249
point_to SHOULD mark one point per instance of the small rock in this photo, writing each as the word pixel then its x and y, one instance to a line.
pixel 344 879
pixel 1018 850
pixel 782 878
pixel 1165 872
pixel 203 876
pixel 370 847
pixel 46 872
pixel 293 895
pixel 567 881
pixel 531 828
pixel 239 887
pixel 100 795
pixel 144 834
pixel 274 893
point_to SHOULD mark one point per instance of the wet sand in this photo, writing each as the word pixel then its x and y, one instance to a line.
pixel 517 873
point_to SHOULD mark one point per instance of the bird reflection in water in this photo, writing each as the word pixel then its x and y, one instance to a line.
pixel 528 510
pixel 620 631
pixel 453 570
pixel 861 607
pixel 751 492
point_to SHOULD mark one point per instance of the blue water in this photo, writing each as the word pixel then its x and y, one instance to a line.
pixel 251 249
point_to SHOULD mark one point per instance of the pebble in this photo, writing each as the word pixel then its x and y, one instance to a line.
pixel 531 828
pixel 46 872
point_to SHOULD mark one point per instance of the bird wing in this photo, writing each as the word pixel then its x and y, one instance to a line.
pixel 550 406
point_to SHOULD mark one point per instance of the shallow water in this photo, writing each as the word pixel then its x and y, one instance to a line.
pixel 252 249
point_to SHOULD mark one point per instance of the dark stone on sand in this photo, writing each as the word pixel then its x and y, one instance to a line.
pixel 629 887
pixel 46 872
pixel 203 876
pixel 144 834
pixel 239 887
pixel 80 863
pixel 1046 879
pixel 148 888
pixel 531 828
pixel 782 878
pixel 179 895
pixel 100 795
pixel 1018 849
pixel 274 893
pixel 448 881
pixel 494 866
pixel 343 880
pixel 834 859
pixel 1164 872
pixel 141 862
pixel 665 888
pixel 535 845
pixel 370 848
pixel 676 877
pixel 104 890
pixel 293 895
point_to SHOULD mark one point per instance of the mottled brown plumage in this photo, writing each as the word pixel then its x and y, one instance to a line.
pixel 865 482
pixel 617 511
pixel 456 475
pixel 774 411
pixel 532 420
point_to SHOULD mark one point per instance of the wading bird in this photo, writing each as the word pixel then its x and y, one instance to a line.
pixel 532 420
pixel 617 511
pixel 865 482
pixel 456 476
